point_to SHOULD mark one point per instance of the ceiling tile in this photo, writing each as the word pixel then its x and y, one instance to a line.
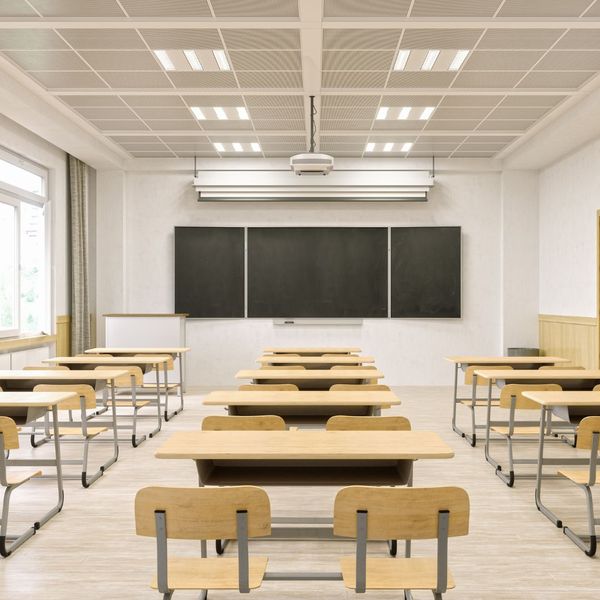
pixel 203 79
pixel 495 60
pixel 214 100
pixel 92 100
pixel 165 154
pixel 172 125
pixel 273 125
pixel 496 125
pixel 166 8
pixel 280 139
pixel 227 125
pixel 255 8
pixel 120 112
pixel 488 79
pixel 580 39
pixel 283 147
pixel 543 8
pixel 570 60
pixel 198 138
pixel 537 100
pixel 107 125
pixel 163 112
pixel 356 125
pixel 350 100
pixel 132 60
pixel 270 79
pixel 48 60
pixel 513 39
pixel 157 146
pixel 77 8
pixel 594 10
pixel 193 147
pixel 68 79
pixel 465 113
pixel 399 125
pixel 410 100
pixel 16 8
pixel 274 101
pixel 452 39
pixel 420 79
pixel 360 8
pixel 456 8
pixel 344 139
pixel 105 39
pixel 276 113
pixel 142 139
pixel 182 39
pixel 348 112
pixel 357 60
pixel 361 39
pixel 353 79
pixel 30 39
pixel 492 139
pixel 518 113
pixel 556 79
pixel 135 79
pixel 151 101
pixel 471 154
pixel 472 100
pixel 483 147
pixel 453 125
pixel 266 60
pixel 261 39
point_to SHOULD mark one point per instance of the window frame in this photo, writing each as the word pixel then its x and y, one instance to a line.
pixel 14 196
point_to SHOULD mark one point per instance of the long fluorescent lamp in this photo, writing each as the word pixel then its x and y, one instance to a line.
pixel 430 59
pixel 221 114
pixel 427 112
pixel 401 60
pixel 197 112
pixel 164 60
pixel 221 59
pixel 404 112
pixel 458 60
pixel 193 59
pixel 382 113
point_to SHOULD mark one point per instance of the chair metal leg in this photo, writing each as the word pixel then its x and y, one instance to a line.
pixel 220 546
pixel 6 549
pixel 588 543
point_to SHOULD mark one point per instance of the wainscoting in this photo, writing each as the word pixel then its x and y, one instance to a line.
pixel 575 338
pixel 63 335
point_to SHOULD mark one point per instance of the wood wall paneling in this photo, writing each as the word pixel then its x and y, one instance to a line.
pixel 63 335
pixel 575 338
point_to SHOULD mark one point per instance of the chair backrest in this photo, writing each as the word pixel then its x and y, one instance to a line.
pixel 480 380
pixel 596 388
pixel 10 434
pixel 45 368
pixel 355 367
pixel 243 423
pixel 351 423
pixel 359 387
pixel 84 391
pixel 555 368
pixel 400 513
pixel 516 390
pixel 170 361
pixel 585 431
pixel 124 381
pixel 288 367
pixel 203 513
pixel 268 387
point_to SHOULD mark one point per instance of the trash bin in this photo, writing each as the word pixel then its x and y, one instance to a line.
pixel 523 351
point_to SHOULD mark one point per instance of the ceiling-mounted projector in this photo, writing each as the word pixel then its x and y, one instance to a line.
pixel 311 162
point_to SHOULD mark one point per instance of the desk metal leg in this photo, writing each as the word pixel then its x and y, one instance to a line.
pixel 544 413
pixel 158 404
pixel 181 381
pixel 59 474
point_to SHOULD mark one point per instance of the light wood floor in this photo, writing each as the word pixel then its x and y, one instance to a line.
pixel 90 550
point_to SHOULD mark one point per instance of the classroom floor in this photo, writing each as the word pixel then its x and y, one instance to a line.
pixel 91 551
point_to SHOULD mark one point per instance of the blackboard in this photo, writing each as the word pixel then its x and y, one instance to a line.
pixel 317 272
pixel 426 272
pixel 209 271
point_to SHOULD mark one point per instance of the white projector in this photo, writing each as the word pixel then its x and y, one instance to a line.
pixel 311 163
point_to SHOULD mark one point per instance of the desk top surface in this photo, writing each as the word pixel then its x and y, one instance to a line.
pixel 575 398
pixel 304 444
pixel 541 375
pixel 153 350
pixel 506 360
pixel 313 350
pixel 302 398
pixel 62 375
pixel 315 360
pixel 294 374
pixel 33 399
pixel 107 360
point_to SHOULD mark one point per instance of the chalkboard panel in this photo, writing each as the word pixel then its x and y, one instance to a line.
pixel 209 271
pixel 317 272
pixel 426 272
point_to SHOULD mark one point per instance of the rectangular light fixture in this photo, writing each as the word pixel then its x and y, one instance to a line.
pixel 430 59
pixel 197 112
pixel 221 114
pixel 401 60
pixel 406 147
pixel 237 147
pixel 255 147
pixel 242 113
pixel 192 58
pixel 370 147
pixel 382 113
pixel 164 60
pixel 221 59
pixel 388 147
pixel 427 112
pixel 219 147
pixel 458 60
pixel 404 112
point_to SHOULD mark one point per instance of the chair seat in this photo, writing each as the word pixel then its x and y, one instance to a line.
pixel 125 403
pixel 211 573
pixel 395 573
pixel 91 431
pixel 503 430
pixel 495 402
pixel 581 476
pixel 17 477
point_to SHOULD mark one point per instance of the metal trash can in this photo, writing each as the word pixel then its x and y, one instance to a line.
pixel 523 351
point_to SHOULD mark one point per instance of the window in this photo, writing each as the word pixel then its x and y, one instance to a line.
pixel 24 298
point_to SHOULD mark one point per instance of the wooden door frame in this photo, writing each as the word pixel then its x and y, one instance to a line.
pixel 598 287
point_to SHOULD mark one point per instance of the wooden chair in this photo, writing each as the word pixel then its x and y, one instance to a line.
pixel 129 385
pixel 45 368
pixel 243 423
pixel 478 399
pixel 588 438
pixel 512 399
pixel 268 387
pixel 240 512
pixel 360 387
pixel 78 430
pixel 170 367
pixel 371 513
pixel 10 481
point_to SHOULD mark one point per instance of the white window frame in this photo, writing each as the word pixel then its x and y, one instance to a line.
pixel 13 195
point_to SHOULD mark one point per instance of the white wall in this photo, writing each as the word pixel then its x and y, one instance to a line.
pixel 409 351
pixel 569 201
pixel 23 142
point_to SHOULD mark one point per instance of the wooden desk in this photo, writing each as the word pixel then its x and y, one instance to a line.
pixel 25 407
pixel 463 362
pixel 310 378
pixel 550 402
pixel 25 380
pixel 315 362
pixel 312 351
pixel 302 404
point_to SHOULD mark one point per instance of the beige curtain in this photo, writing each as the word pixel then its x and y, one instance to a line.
pixel 80 303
